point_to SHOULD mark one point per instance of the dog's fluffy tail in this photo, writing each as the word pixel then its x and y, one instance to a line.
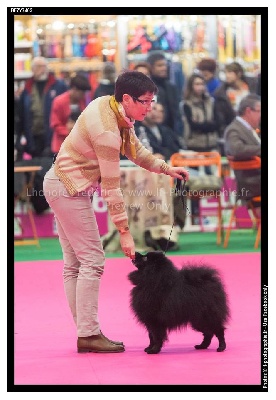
pixel 196 274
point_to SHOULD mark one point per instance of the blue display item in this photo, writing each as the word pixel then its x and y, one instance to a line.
pixel 76 46
pixel 36 48
pixel 83 44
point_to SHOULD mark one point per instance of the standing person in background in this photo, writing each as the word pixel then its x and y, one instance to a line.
pixel 66 109
pixel 228 97
pixel 142 67
pixel 199 122
pixel 35 105
pixel 200 127
pixel 208 68
pixel 167 91
pixel 107 82
pixel 89 154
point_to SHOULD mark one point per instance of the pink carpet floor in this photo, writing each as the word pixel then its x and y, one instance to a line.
pixel 45 335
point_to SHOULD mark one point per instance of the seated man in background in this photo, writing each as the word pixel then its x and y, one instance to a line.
pixel 242 143
pixel 159 138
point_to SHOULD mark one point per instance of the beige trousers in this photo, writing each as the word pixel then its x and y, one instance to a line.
pixel 83 254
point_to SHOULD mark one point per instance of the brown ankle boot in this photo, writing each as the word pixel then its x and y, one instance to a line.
pixel 97 344
pixel 112 341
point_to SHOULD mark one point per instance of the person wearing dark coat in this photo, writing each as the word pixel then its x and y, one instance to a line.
pixel 242 143
pixel 35 105
pixel 167 92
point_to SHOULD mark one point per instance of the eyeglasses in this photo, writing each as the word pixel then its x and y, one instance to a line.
pixel 253 109
pixel 144 102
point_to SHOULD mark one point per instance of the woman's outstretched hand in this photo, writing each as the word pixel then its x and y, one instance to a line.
pixel 178 172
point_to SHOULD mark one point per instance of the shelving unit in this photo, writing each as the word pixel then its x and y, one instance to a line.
pixel 22 60
pixel 83 42
pixel 23 44
pixel 23 52
pixel 22 75
pixel 189 38
pixel 60 39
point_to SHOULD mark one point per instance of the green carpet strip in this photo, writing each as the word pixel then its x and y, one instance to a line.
pixel 241 241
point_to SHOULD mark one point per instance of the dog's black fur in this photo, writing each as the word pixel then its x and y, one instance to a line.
pixel 165 298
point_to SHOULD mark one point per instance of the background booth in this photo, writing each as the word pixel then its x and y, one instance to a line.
pixel 74 43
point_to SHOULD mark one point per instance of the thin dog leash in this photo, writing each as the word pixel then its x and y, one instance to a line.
pixel 179 189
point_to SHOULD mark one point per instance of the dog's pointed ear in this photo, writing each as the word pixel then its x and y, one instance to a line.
pixel 138 256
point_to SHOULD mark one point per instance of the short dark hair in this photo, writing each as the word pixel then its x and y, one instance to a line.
pixel 80 82
pixel 207 64
pixel 155 56
pixel 248 101
pixel 133 83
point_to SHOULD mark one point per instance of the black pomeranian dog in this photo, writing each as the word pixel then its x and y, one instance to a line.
pixel 165 298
